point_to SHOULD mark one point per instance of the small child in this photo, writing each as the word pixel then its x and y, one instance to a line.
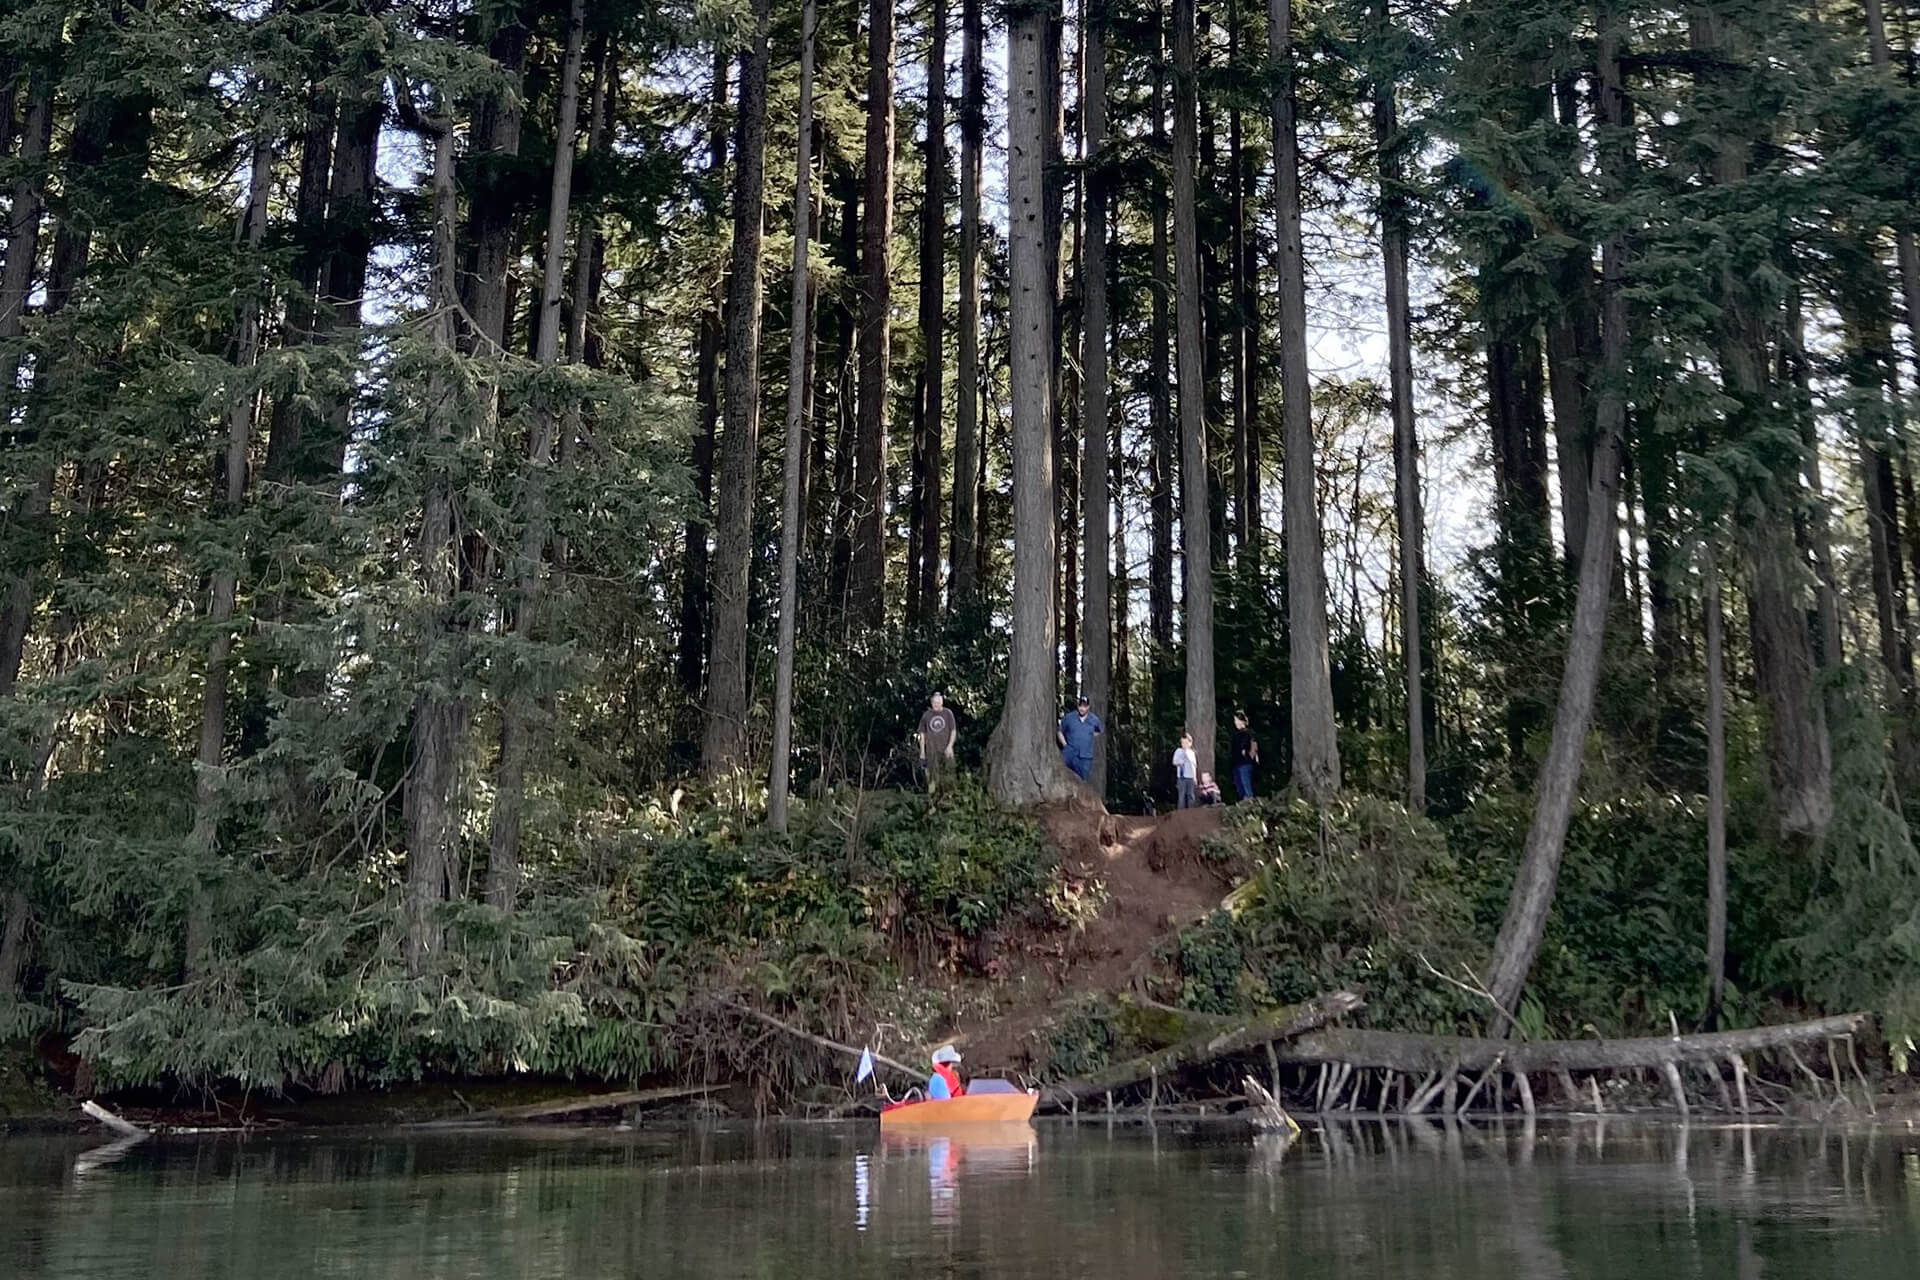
pixel 1184 765
pixel 1209 790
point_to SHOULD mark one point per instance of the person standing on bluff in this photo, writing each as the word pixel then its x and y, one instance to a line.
pixel 1246 754
pixel 1185 767
pixel 936 741
pixel 1078 729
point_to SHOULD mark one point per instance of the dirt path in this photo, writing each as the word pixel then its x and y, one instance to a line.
pixel 1151 879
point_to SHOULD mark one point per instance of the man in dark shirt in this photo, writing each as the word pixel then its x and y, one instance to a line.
pixel 936 740
pixel 1246 754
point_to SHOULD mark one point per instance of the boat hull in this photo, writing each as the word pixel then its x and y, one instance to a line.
pixel 967 1109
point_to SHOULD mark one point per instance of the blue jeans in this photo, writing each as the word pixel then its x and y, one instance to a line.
pixel 1082 765
pixel 1186 793
pixel 1243 780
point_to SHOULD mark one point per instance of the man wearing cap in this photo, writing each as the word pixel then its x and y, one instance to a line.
pixel 1077 732
pixel 936 741
pixel 945 1081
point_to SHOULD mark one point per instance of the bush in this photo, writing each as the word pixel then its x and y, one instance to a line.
pixel 1360 895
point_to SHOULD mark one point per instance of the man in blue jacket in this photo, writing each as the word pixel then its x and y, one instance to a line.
pixel 1077 732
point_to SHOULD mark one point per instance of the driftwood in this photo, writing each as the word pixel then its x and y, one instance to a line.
pixel 1450 1055
pixel 1264 1111
pixel 125 1128
pixel 572 1106
pixel 1225 1043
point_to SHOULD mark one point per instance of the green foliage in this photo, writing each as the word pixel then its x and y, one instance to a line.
pixel 610 982
pixel 1359 895
pixel 1861 944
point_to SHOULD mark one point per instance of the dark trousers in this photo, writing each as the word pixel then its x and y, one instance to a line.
pixel 1082 765
pixel 1243 780
pixel 1186 793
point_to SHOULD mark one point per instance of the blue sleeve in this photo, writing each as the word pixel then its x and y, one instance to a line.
pixel 1099 725
pixel 1064 722
pixel 937 1086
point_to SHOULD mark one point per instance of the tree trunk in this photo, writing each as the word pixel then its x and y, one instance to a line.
pixel 726 737
pixel 1096 625
pixel 521 706
pixel 965 584
pixel 204 835
pixel 1200 709
pixel 1406 444
pixel 869 585
pixel 16 286
pixel 1906 252
pixel 492 198
pixel 1241 327
pixel 92 132
pixel 284 438
pixel 933 302
pixel 1023 766
pixel 791 531
pixel 1316 740
pixel 695 596
pixel 1164 449
pixel 343 282
pixel 1716 797
pixel 1796 371
pixel 1798 746
pixel 439 713
pixel 1559 780
pixel 589 243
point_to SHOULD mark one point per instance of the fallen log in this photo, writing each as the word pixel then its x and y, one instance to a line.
pixel 1282 1024
pixel 125 1128
pixel 572 1106
pixel 1449 1055
pixel 767 1019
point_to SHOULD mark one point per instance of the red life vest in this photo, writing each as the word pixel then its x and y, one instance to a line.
pixel 946 1072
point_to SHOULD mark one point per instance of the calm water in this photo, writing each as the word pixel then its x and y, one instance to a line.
pixel 1640 1202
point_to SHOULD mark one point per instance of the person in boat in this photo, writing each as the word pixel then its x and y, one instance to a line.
pixel 945 1080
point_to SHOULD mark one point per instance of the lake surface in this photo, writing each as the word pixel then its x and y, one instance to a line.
pixel 1639 1201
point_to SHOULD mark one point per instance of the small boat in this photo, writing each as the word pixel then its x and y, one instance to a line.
pixel 992 1102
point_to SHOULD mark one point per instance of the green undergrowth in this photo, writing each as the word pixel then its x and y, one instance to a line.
pixel 680 913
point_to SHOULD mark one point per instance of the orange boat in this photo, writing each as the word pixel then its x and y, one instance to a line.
pixel 979 1105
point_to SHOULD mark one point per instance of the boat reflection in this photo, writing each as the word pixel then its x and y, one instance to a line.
pixel 968 1152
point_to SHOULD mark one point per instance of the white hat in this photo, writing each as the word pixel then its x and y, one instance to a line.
pixel 946 1053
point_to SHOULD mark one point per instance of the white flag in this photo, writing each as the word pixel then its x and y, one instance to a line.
pixel 866 1066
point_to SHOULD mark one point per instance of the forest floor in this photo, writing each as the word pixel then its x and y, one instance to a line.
pixel 1150 877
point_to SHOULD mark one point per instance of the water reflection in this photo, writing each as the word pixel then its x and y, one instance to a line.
pixel 1354 1198
pixel 977 1151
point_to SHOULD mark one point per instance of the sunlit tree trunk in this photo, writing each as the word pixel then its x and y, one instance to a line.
pixel 791 532
pixel 725 744
pixel 1406 445
pixel 1201 713
pixel 1164 445
pixel 1316 741
pixel 1023 763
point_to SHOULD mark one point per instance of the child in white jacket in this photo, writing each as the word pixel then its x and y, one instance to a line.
pixel 1184 767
